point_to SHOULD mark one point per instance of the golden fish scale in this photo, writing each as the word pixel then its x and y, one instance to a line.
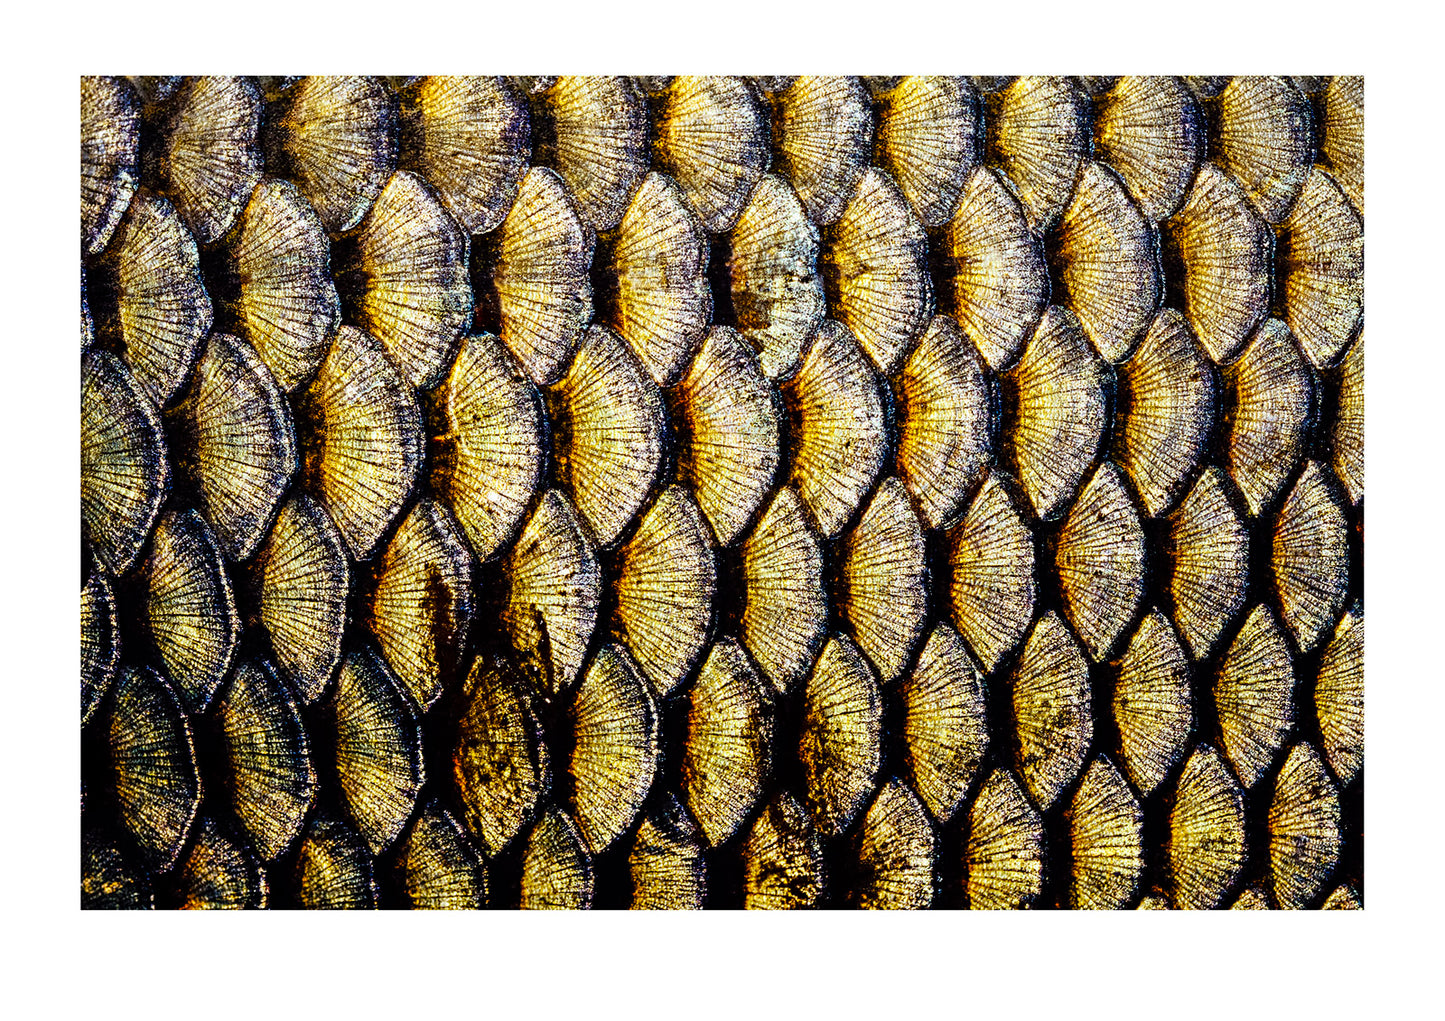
pixel 989 301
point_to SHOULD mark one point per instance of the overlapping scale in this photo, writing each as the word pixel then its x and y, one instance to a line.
pixel 836 427
pixel 727 758
pixel 540 276
pixel 303 579
pixel 658 265
pixel 1265 142
pixel 608 425
pixel 210 160
pixel 1268 408
pixel 157 310
pixel 377 741
pixel 554 590
pixel 712 138
pixel 1052 708
pixel 730 474
pixel 1038 134
pixel 1310 557
pixel 1207 847
pixel 929 141
pixel 1100 562
pixel 1106 840
pixel 992 559
pixel 729 424
pixel 1152 704
pixel 782 858
pixel 405 271
pixel 841 735
pixel 189 610
pixel 615 747
pixel 665 586
pixel 556 868
pixel 896 852
pixel 109 157
pixel 1205 569
pixel 1222 250
pixel 945 427
pixel 1150 129
pixel 1344 134
pixel 598 143
pixel 1107 261
pixel 420 604
pixel 501 769
pixel 1000 280
pixel 1347 437
pixel 1004 853
pixel 826 126
pixel 153 766
pixel 285 303
pixel 469 136
pixel 218 873
pixel 234 443
pixel 361 439
pixel 487 452
pixel 1320 263
pixel 1340 697
pixel 1054 405
pixel 882 591
pixel 1166 405
pixel 777 292
pixel 945 723
pixel 785 610
pixel 333 869
pixel 876 261
pixel 436 868
pixel 1304 828
pixel 668 870
pixel 1254 696
pixel 99 643
pixel 266 769
pixel 335 136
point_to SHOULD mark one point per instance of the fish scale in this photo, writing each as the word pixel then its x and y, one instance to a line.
pixel 959 479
